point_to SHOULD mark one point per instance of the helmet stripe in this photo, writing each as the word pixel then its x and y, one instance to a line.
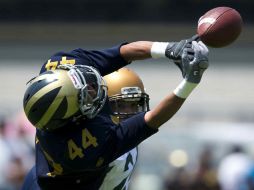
pixel 42 105
pixel 54 104
pixel 72 102
pixel 39 94
pixel 37 84
pixel 59 114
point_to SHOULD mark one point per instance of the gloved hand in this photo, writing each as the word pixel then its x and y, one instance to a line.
pixel 174 50
pixel 194 62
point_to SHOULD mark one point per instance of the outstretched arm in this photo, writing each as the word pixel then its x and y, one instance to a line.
pixel 146 49
pixel 163 111
pixel 136 50
pixel 193 65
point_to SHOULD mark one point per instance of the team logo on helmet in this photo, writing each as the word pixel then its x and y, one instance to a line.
pixel 53 97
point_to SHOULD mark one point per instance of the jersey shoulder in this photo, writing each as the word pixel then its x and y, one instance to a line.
pixel 61 58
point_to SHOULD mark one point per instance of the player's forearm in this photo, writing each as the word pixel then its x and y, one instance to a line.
pixel 146 49
pixel 136 51
pixel 163 111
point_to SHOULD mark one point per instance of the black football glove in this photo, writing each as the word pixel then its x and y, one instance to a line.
pixel 174 50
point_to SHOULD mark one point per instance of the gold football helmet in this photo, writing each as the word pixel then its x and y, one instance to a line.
pixel 126 93
pixel 70 91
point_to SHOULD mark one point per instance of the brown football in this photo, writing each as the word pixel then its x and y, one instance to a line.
pixel 220 26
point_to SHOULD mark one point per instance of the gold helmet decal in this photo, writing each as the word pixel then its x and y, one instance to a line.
pixel 54 97
pixel 50 99
pixel 126 93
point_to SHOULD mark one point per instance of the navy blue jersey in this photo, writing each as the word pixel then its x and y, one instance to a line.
pixel 105 61
pixel 79 153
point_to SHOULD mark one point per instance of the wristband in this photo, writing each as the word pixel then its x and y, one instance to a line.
pixel 158 49
pixel 184 89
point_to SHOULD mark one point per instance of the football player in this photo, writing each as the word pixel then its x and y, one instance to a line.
pixel 127 97
pixel 67 103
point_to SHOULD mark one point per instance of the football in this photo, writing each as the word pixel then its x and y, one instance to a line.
pixel 219 27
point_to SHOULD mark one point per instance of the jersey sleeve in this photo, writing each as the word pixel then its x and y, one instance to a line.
pixel 132 132
pixel 105 61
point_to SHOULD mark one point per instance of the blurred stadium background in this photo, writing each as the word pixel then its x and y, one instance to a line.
pixel 187 152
